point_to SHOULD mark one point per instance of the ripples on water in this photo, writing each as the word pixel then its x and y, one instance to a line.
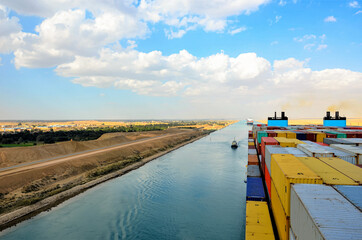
pixel 195 192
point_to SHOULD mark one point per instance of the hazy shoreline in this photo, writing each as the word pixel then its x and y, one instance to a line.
pixel 12 218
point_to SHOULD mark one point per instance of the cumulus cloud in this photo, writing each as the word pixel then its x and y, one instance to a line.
pixel 330 19
pixel 354 4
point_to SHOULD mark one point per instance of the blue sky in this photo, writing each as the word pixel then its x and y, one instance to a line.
pixel 179 59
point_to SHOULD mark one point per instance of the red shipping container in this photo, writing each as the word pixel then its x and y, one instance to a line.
pixel 251 146
pixel 329 135
pixel 322 144
pixel 311 136
pixel 262 163
pixel 267 141
pixel 268 181
pixel 253 160
pixel 272 134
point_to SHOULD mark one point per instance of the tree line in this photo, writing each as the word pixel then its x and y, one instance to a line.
pixel 76 135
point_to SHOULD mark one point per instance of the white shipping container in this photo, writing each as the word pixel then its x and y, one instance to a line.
pixel 314 151
pixel 348 157
pixel 295 151
pixel 320 212
pixel 356 141
pixel 357 151
pixel 273 149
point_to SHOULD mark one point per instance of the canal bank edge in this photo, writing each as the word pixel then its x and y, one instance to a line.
pixel 22 214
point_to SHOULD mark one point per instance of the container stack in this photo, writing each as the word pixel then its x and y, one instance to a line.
pixel 258 220
pixel 313 181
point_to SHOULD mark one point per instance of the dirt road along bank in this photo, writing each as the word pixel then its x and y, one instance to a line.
pixel 29 189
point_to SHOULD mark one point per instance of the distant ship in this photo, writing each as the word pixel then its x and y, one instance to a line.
pixel 249 121
pixel 234 144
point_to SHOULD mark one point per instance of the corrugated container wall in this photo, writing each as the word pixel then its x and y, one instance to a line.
pixel 329 175
pixel 255 189
pixel 287 169
pixel 253 171
pixel 269 150
pixel 258 224
pixel 348 169
pixel 280 217
pixel 352 193
pixel 320 212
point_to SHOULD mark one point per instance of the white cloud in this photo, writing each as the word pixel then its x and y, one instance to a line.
pixel 305 38
pixel 354 4
pixel 358 12
pixel 322 46
pixel 237 30
pixel 211 80
pixel 274 43
pixel 171 34
pixel 277 18
pixel 69 33
pixel 282 3
pixel 330 19
pixel 312 42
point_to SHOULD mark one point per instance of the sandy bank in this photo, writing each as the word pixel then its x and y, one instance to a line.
pixel 14 217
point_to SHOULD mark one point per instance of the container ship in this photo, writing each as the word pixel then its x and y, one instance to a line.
pixel 249 121
pixel 304 182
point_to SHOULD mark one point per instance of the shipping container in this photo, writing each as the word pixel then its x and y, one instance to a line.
pixel 251 147
pixel 281 134
pixel 318 136
pixel 285 142
pixel 261 134
pixel 348 169
pixel 315 137
pixel 267 141
pixel 354 141
pixel 320 212
pixel 269 150
pixel 296 152
pixel 315 150
pixel 255 189
pixel 338 134
pixel 352 194
pixel 251 143
pixel 329 175
pixel 301 136
pixel 287 169
pixel 349 157
pixel 253 171
pixel 251 151
pixel 336 141
pixel 280 217
pixel 357 151
pixel 253 160
pixel 258 224
pixel 268 181
pixel 272 133
pixel 291 134
pixel 251 140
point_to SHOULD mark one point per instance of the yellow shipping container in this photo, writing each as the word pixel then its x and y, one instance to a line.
pixel 258 224
pixel 320 136
pixel 291 135
pixel 329 175
pixel 285 142
pixel 281 134
pixel 251 143
pixel 281 219
pixel 287 169
pixel 348 169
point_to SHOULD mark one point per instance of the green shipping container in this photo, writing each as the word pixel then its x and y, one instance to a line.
pixel 261 134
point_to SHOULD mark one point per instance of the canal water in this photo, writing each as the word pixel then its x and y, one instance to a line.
pixel 194 192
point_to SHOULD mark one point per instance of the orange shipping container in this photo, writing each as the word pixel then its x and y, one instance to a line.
pixel 253 160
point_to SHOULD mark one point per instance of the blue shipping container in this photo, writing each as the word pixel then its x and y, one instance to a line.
pixel 255 189
pixel 352 193
pixel 301 136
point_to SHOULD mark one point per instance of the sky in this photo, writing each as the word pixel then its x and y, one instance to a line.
pixel 179 59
